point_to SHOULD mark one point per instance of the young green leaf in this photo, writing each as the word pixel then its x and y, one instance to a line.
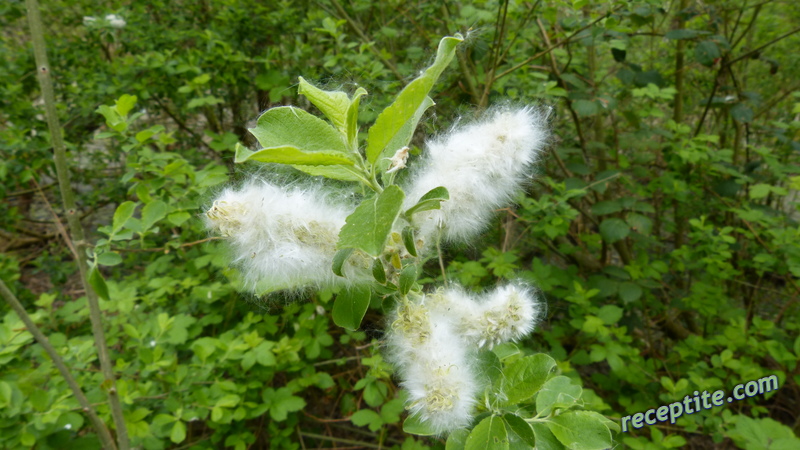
pixel 339 259
pixel 378 272
pixel 352 117
pixel 408 241
pixel 391 121
pixel 335 172
pixel 407 278
pixel 292 136
pixel 121 215
pixel 98 283
pixel 368 227
pixel 334 104
pixel 350 306
pixel 404 135
pixel 431 200
pixel 291 155
pixel 109 259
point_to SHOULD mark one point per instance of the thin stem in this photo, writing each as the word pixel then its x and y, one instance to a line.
pixel 102 432
pixel 556 45
pixel 73 219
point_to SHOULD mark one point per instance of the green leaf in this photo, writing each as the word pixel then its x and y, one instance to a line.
pixel 113 119
pixel 457 439
pixel 178 433
pixel 525 376
pixel 367 417
pixel 334 104
pixel 352 117
pixel 404 135
pixel 610 314
pixel 413 425
pixel 490 434
pixel 760 190
pixel 5 394
pixel 291 155
pixel 125 104
pixel 334 172
pixel 408 241
pixel 557 392
pixel 581 430
pixel 629 292
pixel 614 229
pixel 228 401
pixel 431 200
pixel 706 53
pixel 121 215
pixel 350 306
pixel 339 259
pixel 152 213
pixel 179 217
pixel 544 438
pixel 281 402
pixel 290 135
pixel 392 120
pixel 109 259
pixel 521 428
pixel 368 227
pixel 606 207
pixel 378 272
pixel 408 277
pixel 586 108
pixel 98 283
pixel 264 355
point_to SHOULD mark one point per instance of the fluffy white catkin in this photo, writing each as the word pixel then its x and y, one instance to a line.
pixel 482 165
pixel 505 314
pixel 433 363
pixel 283 238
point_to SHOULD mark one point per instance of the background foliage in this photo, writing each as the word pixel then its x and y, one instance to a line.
pixel 662 227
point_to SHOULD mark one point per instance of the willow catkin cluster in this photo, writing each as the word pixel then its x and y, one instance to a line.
pixel 283 238
pixel 482 165
pixel 433 340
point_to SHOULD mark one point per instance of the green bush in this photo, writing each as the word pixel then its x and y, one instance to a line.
pixel 661 227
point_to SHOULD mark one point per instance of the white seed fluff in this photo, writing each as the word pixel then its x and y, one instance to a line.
pixel 283 238
pixel 508 313
pixel 434 365
pixel 482 165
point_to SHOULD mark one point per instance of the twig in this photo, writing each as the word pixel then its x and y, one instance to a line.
pixel 557 44
pixel 76 229
pixel 340 440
